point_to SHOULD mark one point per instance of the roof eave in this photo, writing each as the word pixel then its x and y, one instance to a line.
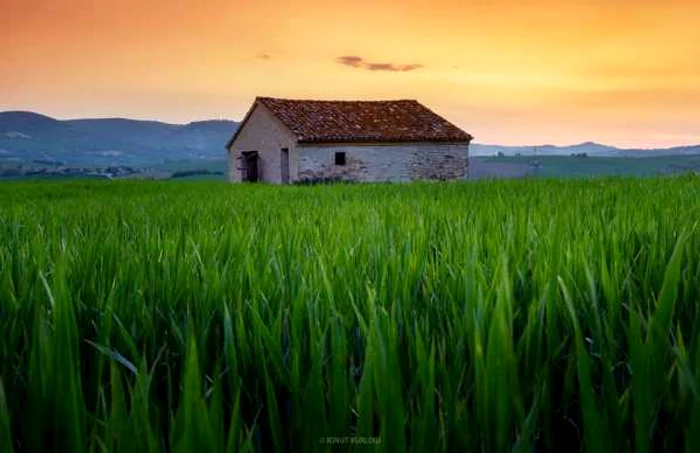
pixel 329 141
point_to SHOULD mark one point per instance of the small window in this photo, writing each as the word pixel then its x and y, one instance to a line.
pixel 340 158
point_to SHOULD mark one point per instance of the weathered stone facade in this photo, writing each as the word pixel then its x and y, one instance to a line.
pixel 385 162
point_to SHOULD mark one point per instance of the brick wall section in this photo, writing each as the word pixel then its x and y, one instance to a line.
pixel 385 162
pixel 266 135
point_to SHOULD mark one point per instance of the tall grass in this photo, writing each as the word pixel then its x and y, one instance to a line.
pixel 496 316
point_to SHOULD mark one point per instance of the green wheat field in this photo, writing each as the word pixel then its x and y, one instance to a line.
pixel 496 316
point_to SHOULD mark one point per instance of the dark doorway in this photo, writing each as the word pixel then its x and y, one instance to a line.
pixel 250 166
pixel 284 164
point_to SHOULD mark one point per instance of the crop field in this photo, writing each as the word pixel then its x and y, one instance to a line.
pixel 573 167
pixel 529 316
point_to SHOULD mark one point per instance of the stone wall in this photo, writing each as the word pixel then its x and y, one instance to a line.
pixel 385 162
pixel 440 161
pixel 262 132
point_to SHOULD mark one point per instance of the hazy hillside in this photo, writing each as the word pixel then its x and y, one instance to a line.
pixel 589 148
pixel 26 136
pixel 36 140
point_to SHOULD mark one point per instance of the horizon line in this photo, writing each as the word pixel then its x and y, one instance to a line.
pixel 238 122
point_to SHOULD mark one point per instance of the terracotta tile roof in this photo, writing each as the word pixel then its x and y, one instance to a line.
pixel 362 121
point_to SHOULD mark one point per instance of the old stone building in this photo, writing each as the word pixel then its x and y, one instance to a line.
pixel 283 141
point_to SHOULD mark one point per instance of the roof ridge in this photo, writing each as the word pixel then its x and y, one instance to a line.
pixel 268 98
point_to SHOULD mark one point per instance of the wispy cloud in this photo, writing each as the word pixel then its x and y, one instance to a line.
pixel 358 62
pixel 350 60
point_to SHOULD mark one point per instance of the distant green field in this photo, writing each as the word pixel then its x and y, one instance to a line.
pixel 199 169
pixel 199 177
pixel 524 315
pixel 566 166
pixel 186 165
pixel 480 167
pixel 550 166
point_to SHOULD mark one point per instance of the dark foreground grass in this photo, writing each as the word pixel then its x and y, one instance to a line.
pixel 494 316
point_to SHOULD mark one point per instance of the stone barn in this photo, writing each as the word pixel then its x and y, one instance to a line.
pixel 283 141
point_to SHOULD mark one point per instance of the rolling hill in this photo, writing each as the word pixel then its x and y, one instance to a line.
pixel 31 137
pixel 591 149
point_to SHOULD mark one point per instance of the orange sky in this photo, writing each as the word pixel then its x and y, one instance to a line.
pixel 623 72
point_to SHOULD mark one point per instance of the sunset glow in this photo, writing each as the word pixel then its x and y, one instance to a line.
pixel 621 72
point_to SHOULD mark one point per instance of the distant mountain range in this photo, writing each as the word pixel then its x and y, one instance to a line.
pixel 589 149
pixel 31 137
pixel 26 136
